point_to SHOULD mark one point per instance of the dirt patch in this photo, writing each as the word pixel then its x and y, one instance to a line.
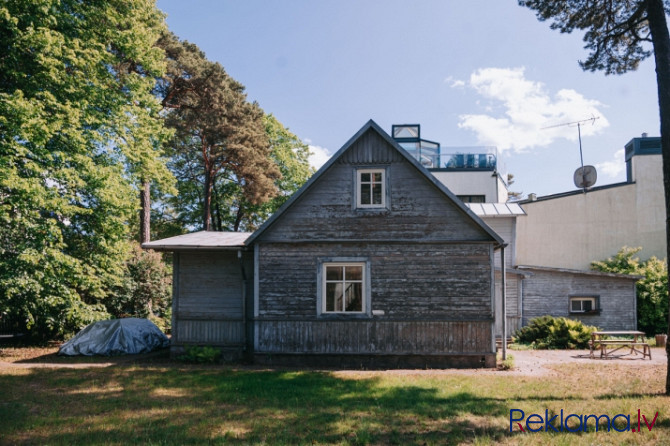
pixel 549 362
pixel 526 362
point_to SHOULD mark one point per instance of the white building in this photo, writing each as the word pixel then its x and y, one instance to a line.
pixel 572 229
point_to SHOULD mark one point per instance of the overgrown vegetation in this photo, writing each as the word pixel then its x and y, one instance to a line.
pixel 547 332
pixel 100 104
pixel 652 289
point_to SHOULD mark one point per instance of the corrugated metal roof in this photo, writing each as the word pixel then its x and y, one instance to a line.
pixel 496 209
pixel 200 240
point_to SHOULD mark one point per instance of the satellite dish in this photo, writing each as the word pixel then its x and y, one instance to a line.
pixel 585 177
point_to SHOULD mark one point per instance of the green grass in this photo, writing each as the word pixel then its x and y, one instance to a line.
pixel 177 404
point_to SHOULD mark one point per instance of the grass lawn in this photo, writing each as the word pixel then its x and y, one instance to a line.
pixel 172 403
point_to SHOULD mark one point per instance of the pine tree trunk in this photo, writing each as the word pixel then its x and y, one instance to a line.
pixel 661 40
pixel 145 212
pixel 207 207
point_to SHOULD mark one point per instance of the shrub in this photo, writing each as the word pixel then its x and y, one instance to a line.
pixel 548 332
pixel 146 289
pixel 652 289
pixel 201 355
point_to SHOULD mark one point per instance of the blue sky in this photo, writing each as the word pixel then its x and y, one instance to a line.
pixel 472 73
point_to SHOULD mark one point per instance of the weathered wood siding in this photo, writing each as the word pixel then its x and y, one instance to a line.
pixel 548 292
pixel 512 285
pixel 435 298
pixel 373 337
pixel 208 306
pixel 430 267
pixel 417 209
pixel 419 281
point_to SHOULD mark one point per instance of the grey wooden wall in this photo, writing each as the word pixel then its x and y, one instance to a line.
pixel 417 210
pixel 208 299
pixel 427 292
pixel 548 292
pixel 431 266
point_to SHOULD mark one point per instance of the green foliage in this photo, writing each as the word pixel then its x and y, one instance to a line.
pixel 79 128
pixel 146 289
pixel 220 140
pixel 652 289
pixel 291 155
pixel 547 332
pixel 201 355
pixel 617 32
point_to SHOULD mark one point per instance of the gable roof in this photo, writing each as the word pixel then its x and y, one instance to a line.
pixel 371 125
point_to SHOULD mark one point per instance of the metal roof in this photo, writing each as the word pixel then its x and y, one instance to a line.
pixel 496 209
pixel 200 240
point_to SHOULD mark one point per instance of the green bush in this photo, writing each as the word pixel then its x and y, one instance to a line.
pixel 652 289
pixel 146 289
pixel 201 355
pixel 547 332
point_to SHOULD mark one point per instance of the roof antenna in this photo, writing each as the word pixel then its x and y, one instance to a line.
pixel 585 176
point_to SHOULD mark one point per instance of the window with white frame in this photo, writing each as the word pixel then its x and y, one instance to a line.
pixel 371 188
pixel 583 304
pixel 343 288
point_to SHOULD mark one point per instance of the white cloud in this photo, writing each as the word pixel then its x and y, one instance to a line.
pixel 318 156
pixel 525 108
pixel 454 83
pixel 614 167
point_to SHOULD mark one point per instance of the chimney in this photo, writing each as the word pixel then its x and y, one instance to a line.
pixel 644 135
pixel 532 197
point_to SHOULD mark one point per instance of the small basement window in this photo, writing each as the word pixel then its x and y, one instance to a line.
pixel 584 304
pixel 343 288
pixel 371 188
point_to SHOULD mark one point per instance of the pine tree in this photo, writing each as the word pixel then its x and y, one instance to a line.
pixel 619 35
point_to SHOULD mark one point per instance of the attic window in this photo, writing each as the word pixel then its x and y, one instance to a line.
pixel 371 188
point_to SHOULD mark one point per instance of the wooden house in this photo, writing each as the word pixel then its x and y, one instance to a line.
pixel 372 263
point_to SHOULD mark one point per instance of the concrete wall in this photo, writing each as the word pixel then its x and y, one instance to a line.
pixel 572 231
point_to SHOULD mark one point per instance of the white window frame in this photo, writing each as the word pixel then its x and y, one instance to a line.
pixel 592 299
pixel 359 184
pixel 362 281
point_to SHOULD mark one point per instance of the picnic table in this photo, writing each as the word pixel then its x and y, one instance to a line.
pixel 611 344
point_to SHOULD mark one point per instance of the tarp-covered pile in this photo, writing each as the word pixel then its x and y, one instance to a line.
pixel 116 337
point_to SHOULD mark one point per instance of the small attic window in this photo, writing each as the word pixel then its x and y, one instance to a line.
pixel 371 188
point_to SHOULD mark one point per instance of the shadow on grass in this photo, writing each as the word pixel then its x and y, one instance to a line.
pixel 191 406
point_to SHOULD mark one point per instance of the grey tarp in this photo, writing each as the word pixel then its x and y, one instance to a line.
pixel 116 337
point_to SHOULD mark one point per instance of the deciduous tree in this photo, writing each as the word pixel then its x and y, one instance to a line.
pixel 619 34
pixel 79 131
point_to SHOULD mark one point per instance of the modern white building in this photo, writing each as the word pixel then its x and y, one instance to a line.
pixel 573 229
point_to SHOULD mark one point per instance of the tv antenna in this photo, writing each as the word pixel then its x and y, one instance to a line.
pixel 585 176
